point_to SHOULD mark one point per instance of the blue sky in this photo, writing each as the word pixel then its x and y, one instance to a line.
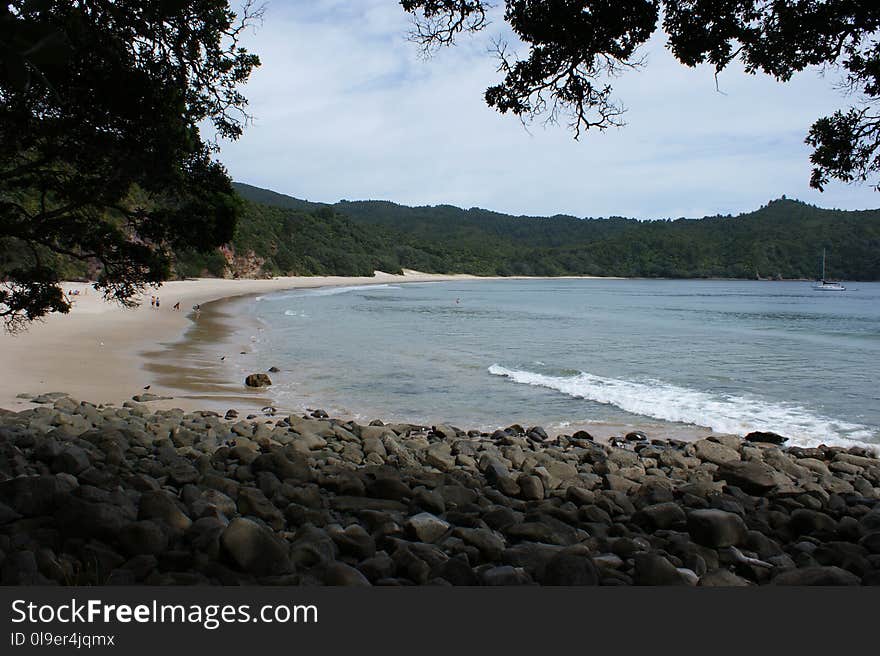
pixel 345 108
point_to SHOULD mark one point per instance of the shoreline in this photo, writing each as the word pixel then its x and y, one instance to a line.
pixel 168 354
pixel 112 344
pixel 106 353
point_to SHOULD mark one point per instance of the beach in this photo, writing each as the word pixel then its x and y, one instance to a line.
pixel 100 351
pixel 105 482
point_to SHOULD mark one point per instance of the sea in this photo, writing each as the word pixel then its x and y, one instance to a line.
pixel 666 356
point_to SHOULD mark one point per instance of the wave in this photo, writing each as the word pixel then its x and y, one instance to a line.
pixel 723 413
pixel 322 291
pixel 333 291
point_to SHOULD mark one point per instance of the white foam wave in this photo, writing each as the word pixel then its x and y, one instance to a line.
pixel 295 313
pixel 333 291
pixel 322 291
pixel 723 413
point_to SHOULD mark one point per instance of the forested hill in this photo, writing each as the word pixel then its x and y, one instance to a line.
pixel 784 239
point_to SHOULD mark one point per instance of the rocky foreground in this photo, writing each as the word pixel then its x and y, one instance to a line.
pixel 108 495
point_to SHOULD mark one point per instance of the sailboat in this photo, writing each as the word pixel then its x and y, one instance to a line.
pixel 824 285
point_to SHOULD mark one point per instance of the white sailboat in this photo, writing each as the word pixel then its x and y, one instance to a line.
pixel 824 285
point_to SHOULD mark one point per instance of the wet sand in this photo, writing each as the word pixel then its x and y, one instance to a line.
pixel 107 354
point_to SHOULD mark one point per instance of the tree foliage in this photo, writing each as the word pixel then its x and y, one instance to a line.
pixel 101 157
pixel 784 239
pixel 575 47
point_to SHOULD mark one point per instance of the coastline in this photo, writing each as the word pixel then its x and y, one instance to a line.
pixel 100 350
pixel 105 353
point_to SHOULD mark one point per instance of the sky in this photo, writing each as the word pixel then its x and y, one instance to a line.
pixel 345 107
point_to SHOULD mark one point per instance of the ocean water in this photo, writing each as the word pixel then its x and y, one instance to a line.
pixel 730 356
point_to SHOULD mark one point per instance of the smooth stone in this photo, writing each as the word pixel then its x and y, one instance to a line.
pixel 254 548
pixel 716 528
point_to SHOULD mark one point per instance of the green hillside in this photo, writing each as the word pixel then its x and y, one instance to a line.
pixel 784 238
pixel 280 234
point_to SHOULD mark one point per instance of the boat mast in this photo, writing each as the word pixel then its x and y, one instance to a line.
pixel 823 264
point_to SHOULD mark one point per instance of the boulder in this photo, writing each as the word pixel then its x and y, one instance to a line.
pixel 254 548
pixel 71 460
pixel 571 566
pixel 752 477
pixel 505 575
pixel 143 538
pixel 661 516
pixel 654 569
pixel 426 527
pixel 340 574
pixel 160 506
pixel 766 437
pixel 812 522
pixel 718 578
pixel 490 545
pixel 709 451
pixel 716 528
pixel 90 519
pixel 439 455
pixel 817 576
pixel 258 380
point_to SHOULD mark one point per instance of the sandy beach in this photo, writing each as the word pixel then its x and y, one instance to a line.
pixel 101 351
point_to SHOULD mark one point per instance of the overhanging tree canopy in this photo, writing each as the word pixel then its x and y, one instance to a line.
pixel 101 158
pixel 576 46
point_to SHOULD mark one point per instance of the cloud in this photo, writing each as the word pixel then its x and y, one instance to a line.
pixel 345 108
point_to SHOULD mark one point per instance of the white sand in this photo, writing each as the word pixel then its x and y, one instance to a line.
pixel 95 353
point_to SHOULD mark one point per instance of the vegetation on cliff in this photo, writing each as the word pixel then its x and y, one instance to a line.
pixel 785 239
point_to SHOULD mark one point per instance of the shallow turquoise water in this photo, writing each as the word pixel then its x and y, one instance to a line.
pixel 732 356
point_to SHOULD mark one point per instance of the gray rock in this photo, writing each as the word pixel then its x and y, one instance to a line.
pixel 817 576
pixel 661 516
pixel 252 501
pixel 654 569
pixel 571 566
pixel 812 522
pixel 426 527
pixel 210 500
pixel 722 578
pixel 258 380
pixel 254 548
pixel 716 528
pixel 871 541
pixel 33 495
pixel 766 437
pixel 531 487
pixel 439 455
pixel 490 545
pixel 312 547
pixel 143 538
pixel 505 575
pixel 90 519
pixel 160 506
pixel 340 574
pixel 354 541
pixel 752 477
pixel 7 514
pixel 71 460
pixel 380 566
pixel 709 451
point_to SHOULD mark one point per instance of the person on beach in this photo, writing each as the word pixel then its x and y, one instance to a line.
pixel 176 306
pixel 152 301
pixel 157 302
pixel 198 310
